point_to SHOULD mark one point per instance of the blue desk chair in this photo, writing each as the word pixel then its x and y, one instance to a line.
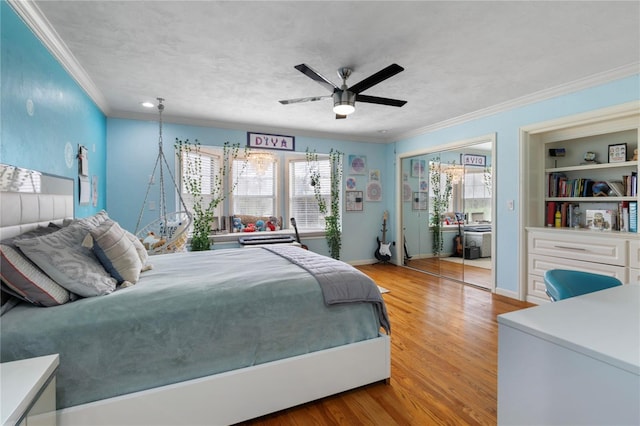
pixel 562 283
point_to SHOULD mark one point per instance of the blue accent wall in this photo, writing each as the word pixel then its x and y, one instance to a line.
pixel 62 112
pixel 133 149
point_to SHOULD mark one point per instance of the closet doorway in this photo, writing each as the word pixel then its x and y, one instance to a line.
pixel 446 211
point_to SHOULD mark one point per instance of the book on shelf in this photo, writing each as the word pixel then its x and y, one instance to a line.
pixel 623 214
pixel 617 188
pixel 633 216
pixel 551 213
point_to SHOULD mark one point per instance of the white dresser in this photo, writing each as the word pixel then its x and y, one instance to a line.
pixel 615 254
pixel 576 361
pixel 28 390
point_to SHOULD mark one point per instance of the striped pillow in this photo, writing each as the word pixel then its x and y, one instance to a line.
pixel 115 251
pixel 27 282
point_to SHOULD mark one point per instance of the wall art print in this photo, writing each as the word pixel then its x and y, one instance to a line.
pixel 357 164
pixel 418 168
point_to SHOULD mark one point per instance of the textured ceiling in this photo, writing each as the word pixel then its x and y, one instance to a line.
pixel 227 64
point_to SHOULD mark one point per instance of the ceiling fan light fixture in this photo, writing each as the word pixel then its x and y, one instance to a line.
pixel 344 102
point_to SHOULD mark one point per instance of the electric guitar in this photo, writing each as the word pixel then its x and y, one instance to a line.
pixel 457 240
pixel 295 227
pixel 383 252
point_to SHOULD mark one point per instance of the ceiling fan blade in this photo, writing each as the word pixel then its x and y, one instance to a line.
pixel 339 117
pixel 316 76
pixel 308 99
pixel 381 101
pixel 376 78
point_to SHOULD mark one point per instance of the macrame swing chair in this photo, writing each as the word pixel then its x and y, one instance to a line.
pixel 168 233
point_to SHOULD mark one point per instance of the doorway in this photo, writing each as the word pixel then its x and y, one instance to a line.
pixel 446 211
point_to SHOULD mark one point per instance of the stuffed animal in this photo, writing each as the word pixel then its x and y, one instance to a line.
pixel 260 226
pixel 237 224
pixel 152 241
pixel 274 222
pixel 271 226
pixel 251 227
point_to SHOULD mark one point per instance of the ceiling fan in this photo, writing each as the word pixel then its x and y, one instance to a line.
pixel 345 97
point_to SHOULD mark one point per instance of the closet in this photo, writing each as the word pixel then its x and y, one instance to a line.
pixel 447 207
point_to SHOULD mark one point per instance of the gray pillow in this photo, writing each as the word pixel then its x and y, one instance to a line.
pixel 63 258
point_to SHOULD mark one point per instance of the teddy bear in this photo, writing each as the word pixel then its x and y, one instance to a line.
pixel 237 224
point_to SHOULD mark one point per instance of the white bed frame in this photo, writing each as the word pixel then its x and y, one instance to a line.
pixel 223 398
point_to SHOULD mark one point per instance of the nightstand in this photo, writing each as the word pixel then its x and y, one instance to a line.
pixel 28 389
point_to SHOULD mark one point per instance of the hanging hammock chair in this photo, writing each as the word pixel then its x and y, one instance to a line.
pixel 168 233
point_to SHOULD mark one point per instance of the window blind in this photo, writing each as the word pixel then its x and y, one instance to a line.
pixel 255 193
pixel 302 202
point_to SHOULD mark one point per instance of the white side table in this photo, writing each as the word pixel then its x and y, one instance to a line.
pixel 28 391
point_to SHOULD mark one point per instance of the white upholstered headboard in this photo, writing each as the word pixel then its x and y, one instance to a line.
pixel 23 211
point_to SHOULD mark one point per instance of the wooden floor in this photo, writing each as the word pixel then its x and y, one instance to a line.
pixel 444 345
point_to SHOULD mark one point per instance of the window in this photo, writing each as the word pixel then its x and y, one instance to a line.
pixel 477 193
pixel 259 190
pixel 256 190
pixel 203 169
pixel 302 202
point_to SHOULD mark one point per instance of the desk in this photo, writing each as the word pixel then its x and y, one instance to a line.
pixel 576 361
pixel 29 391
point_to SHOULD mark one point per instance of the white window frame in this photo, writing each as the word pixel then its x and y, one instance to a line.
pixel 248 173
pixel 326 187
pixel 214 153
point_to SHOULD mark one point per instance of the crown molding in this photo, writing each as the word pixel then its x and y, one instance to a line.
pixel 41 27
pixel 552 92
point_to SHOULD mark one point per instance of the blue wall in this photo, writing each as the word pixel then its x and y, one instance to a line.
pixel 507 126
pixel 62 112
pixel 133 149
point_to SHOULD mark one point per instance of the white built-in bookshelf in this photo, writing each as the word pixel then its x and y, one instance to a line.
pixel 580 212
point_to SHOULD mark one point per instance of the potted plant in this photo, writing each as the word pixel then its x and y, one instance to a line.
pixel 203 210
pixel 331 213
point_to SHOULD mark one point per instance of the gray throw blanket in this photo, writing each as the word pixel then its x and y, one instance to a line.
pixel 339 281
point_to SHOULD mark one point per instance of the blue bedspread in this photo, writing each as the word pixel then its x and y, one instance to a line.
pixel 193 315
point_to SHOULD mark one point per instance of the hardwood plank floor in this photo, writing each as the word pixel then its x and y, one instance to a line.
pixel 444 346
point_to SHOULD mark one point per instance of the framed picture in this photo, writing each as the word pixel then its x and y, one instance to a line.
pixel 357 164
pixel 420 200
pixel 618 153
pixel 417 168
pixel 374 191
pixel 353 201
pixel 351 183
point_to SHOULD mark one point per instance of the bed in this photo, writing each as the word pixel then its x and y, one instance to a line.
pixel 202 338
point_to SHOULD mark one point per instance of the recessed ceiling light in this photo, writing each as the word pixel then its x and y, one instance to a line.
pixel 147 104
pixel 383 131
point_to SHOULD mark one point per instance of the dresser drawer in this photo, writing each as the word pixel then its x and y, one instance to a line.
pixel 536 288
pixel 539 264
pixel 634 253
pixel 586 247
pixel 633 276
